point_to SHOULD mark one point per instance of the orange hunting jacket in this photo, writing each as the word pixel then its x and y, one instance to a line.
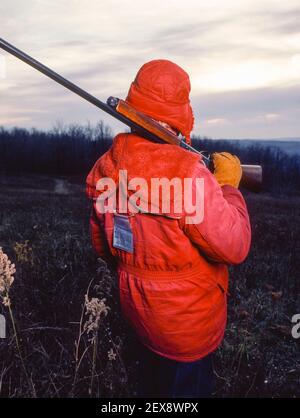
pixel 173 286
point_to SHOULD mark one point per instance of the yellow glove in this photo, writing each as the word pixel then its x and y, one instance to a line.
pixel 227 169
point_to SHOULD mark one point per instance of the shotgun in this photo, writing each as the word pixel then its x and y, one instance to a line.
pixel 137 121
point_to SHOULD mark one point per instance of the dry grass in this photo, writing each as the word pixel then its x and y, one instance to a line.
pixel 46 236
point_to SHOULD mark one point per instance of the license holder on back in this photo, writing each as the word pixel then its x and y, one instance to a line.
pixel 122 236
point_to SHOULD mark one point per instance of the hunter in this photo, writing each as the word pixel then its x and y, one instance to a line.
pixel 173 275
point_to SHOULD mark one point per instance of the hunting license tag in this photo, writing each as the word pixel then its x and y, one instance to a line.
pixel 123 237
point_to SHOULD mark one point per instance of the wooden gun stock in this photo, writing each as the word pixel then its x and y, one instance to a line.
pixel 251 177
pixel 144 121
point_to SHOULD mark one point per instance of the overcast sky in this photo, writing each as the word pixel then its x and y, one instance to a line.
pixel 243 58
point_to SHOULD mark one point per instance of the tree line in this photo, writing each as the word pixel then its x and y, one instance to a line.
pixel 73 149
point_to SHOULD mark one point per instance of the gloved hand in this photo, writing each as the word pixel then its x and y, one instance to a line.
pixel 227 169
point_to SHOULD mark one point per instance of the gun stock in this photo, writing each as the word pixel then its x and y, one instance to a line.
pixel 252 177
pixel 144 121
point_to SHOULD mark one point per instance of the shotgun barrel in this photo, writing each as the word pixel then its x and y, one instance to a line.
pixel 140 123
pixel 73 87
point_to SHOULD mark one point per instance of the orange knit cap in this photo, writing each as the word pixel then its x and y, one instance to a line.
pixel 161 90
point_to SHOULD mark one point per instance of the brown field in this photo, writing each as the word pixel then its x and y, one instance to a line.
pixel 44 230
